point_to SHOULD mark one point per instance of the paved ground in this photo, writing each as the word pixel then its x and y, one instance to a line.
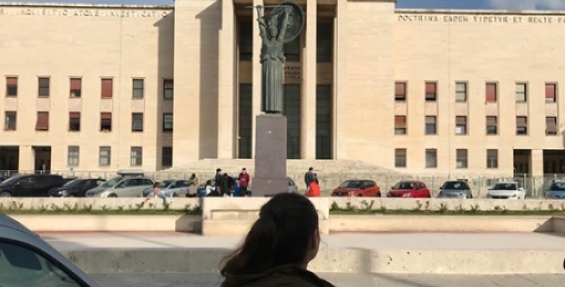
pixel 340 280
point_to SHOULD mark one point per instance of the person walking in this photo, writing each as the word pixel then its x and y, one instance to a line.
pixel 157 193
pixel 218 180
pixel 244 180
pixel 308 178
pixel 314 188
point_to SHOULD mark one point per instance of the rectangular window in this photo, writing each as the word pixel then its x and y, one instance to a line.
pixel 551 126
pixel 168 89
pixel 550 93
pixel 74 121
pixel 400 125
pixel 460 92
pixel 431 158
pixel 431 91
pixel 324 122
pixel 137 122
pixel 400 92
pixel 107 88
pixel 11 121
pixel 168 122
pixel 11 86
pixel 245 40
pixel 431 125
pixel 492 125
pixel 492 158
pixel 44 85
pixel 42 123
pixel 461 158
pixel 105 155
pixel 461 125
pixel 324 42
pixel 245 120
pixel 73 155
pixel 167 157
pixel 138 87
pixel 521 92
pixel 106 122
pixel 400 157
pixel 521 125
pixel 76 87
pixel 136 156
pixel 491 92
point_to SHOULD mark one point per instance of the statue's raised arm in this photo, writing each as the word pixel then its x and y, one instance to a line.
pixel 261 20
pixel 284 24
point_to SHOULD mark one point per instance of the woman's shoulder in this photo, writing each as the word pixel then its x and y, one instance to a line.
pixel 279 276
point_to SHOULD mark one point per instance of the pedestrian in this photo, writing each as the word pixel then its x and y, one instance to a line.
pixel 227 185
pixel 308 178
pixel 218 180
pixel 157 193
pixel 314 188
pixel 244 180
pixel 193 180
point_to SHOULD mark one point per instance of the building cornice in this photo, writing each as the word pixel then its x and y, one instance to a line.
pixel 84 6
pixel 479 12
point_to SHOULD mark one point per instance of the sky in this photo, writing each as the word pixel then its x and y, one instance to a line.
pixel 425 4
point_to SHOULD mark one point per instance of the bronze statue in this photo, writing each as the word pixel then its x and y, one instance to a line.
pixel 283 25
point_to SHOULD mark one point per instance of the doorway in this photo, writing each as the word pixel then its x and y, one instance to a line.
pixel 42 159
pixel 9 160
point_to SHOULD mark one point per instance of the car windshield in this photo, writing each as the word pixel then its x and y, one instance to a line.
pixel 404 185
pixel 111 182
pixel 10 180
pixel 454 185
pixel 558 186
pixel 73 183
pixel 351 184
pixel 167 183
pixel 505 186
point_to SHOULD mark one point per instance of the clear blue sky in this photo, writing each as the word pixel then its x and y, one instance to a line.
pixel 428 4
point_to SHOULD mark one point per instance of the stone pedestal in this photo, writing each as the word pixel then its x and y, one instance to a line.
pixel 270 156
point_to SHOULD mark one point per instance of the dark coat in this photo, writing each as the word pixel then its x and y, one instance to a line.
pixel 285 275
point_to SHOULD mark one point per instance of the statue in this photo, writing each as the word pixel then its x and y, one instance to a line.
pixel 281 26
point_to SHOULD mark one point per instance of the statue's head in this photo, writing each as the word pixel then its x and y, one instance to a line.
pixel 273 31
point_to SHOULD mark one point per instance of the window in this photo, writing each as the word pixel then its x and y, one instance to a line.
pixel 107 88
pixel 76 87
pixel 137 122
pixel 245 40
pixel 461 160
pixel 324 42
pixel 44 87
pixel 431 126
pixel 167 156
pixel 521 95
pixel 431 158
pixel 42 123
pixel 492 158
pixel 12 86
pixel 551 126
pixel 74 121
pixel 138 86
pixel 400 91
pixel 168 89
pixel 106 122
pixel 461 125
pixel 492 125
pixel 491 92
pixel 550 93
pixel 11 121
pixel 400 157
pixel 73 155
pixel 431 93
pixel 460 92
pixel 167 122
pixel 136 156
pixel 521 125
pixel 400 125
pixel 105 155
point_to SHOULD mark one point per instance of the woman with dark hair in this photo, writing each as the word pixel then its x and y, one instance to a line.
pixel 278 248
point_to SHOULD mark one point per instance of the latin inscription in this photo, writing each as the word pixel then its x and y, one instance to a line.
pixel 292 71
pixel 83 12
pixel 490 19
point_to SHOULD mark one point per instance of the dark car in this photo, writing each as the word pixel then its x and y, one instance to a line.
pixel 75 188
pixel 455 189
pixel 30 185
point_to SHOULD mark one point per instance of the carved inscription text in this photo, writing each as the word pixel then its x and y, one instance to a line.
pixel 483 18
pixel 78 12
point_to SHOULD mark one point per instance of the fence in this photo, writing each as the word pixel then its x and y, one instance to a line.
pixel 535 187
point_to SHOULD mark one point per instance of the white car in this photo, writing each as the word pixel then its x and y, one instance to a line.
pixel 507 190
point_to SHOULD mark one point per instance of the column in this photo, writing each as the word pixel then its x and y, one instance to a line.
pixel 256 75
pixel 536 170
pixel 340 80
pixel 26 159
pixel 226 82
pixel 309 81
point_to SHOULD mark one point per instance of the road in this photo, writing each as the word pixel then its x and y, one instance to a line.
pixel 339 279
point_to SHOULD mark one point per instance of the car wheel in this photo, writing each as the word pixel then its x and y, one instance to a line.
pixel 5 194
pixel 112 195
pixel 378 195
pixel 175 195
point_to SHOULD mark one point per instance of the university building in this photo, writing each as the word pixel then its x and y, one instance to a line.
pixel 108 87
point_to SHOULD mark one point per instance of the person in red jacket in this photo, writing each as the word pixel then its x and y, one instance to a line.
pixel 314 188
pixel 244 181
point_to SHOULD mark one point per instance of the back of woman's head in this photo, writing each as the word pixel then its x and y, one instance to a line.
pixel 282 235
pixel 156 184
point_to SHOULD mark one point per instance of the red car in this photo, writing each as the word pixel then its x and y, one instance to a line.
pixel 410 188
pixel 358 188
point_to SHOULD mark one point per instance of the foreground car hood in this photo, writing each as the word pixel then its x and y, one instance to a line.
pixel 453 193
pixel 503 192
pixel 401 191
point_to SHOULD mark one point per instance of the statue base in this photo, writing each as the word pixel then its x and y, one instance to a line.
pixel 270 156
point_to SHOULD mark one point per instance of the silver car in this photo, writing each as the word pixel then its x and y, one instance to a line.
pixel 27 260
pixel 455 189
pixel 121 187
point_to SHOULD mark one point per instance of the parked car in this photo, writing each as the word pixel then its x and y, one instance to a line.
pixel 30 185
pixel 358 188
pixel 410 188
pixel 507 190
pixel 121 187
pixel 75 188
pixel 455 189
pixel 556 190
pixel 27 260
pixel 171 188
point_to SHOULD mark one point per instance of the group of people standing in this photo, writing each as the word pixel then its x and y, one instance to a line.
pixel 225 184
